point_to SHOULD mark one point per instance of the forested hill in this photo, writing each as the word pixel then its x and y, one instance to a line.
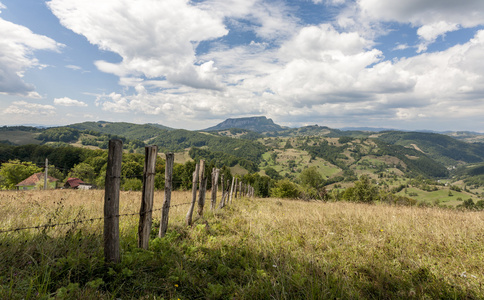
pixel 127 130
pixel 439 147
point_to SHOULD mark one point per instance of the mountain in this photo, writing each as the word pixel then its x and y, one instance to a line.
pixel 257 124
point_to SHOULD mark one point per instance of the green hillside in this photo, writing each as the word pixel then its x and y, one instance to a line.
pixel 441 148
pixel 143 132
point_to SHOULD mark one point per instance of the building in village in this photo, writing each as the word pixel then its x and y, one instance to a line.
pixel 36 181
pixel 76 183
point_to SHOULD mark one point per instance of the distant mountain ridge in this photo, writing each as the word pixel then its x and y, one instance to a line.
pixel 257 124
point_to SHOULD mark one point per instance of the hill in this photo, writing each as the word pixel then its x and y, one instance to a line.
pixel 142 132
pixel 439 147
pixel 257 124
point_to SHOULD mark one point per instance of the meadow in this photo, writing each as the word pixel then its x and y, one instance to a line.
pixel 252 249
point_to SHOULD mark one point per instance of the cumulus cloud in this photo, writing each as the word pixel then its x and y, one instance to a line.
pixel 17 47
pixel 433 18
pixel 154 38
pixel 66 101
pixel 29 109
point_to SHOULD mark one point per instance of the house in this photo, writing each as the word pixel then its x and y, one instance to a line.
pixel 37 181
pixel 76 183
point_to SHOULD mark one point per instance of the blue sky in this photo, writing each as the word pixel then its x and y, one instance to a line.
pixel 415 64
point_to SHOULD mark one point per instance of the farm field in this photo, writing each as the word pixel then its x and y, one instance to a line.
pixel 252 249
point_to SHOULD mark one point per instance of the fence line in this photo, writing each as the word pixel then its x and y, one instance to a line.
pixel 85 220
pixel 112 193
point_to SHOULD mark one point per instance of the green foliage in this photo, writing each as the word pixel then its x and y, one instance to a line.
pixel 14 171
pixel 272 173
pixel 132 184
pixel 59 134
pixel 362 191
pixel 310 177
pixel 285 188
pixel 219 159
pixel 83 171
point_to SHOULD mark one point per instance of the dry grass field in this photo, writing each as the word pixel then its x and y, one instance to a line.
pixel 252 249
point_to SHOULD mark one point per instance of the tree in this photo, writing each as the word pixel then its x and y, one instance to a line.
pixel 285 189
pixel 310 177
pixel 362 191
pixel 14 171
pixel 83 171
pixel 272 173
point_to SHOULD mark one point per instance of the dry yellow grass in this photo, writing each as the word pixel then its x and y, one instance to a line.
pixel 31 208
pixel 353 250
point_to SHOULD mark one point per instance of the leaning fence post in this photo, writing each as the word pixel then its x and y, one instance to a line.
pixel 202 184
pixel 111 202
pixel 188 218
pixel 215 173
pixel 170 157
pixel 235 187
pixel 145 214
pixel 231 190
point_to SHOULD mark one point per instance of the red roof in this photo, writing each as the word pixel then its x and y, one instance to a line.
pixel 74 182
pixel 34 179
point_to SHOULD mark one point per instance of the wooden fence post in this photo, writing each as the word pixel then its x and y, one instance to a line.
pixel 231 190
pixel 188 218
pixel 235 187
pixel 145 213
pixel 202 187
pixel 111 202
pixel 215 174
pixel 222 184
pixel 170 158
pixel 240 189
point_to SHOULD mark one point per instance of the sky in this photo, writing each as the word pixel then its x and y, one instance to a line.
pixel 410 65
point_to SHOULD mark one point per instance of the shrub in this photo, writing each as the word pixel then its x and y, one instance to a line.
pixel 285 189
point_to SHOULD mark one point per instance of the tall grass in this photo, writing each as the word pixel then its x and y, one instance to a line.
pixel 252 249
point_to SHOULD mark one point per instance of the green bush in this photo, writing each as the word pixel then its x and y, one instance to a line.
pixel 285 189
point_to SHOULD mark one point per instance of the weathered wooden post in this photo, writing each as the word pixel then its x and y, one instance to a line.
pixel 145 213
pixel 188 218
pixel 236 184
pixel 222 184
pixel 240 189
pixel 111 202
pixel 215 173
pixel 202 187
pixel 170 158
pixel 231 190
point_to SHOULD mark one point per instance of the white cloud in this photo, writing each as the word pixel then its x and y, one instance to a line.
pixel 433 18
pixel 17 46
pixel 430 32
pixel 155 39
pixel 29 109
pixel 66 101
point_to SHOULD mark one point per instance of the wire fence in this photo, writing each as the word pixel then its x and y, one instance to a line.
pixel 111 200
pixel 75 222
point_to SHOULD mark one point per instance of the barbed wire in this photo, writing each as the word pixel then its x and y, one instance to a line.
pixel 87 220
